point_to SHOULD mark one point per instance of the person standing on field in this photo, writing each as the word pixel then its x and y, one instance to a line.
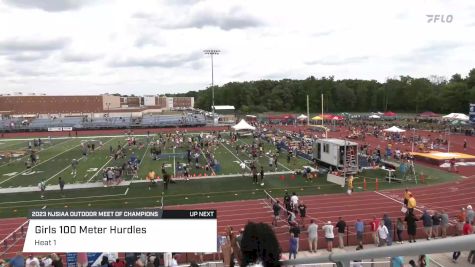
pixel 312 231
pixel 383 234
pixel 329 235
pixel 61 185
pixel 341 226
pixel 374 230
pixel 277 209
pixel 407 196
pixel 444 223
pixel 359 227
pixel 427 223
pixel 302 209
pixel 411 204
pixel 436 221
pixel 74 166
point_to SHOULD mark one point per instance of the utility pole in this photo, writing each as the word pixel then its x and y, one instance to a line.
pixel 308 112
pixel 212 52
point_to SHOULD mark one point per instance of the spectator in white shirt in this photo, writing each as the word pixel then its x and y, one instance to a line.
pixel 243 167
pixel 329 235
pixel 294 200
pixel 47 261
pixel 32 261
pixel 382 234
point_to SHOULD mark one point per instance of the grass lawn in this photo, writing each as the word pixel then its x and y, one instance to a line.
pixel 195 191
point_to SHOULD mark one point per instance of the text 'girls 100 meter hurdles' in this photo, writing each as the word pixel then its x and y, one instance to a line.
pixel 62 230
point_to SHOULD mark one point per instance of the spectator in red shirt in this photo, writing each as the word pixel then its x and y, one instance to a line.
pixel 467 230
pixel 118 263
pixel 374 230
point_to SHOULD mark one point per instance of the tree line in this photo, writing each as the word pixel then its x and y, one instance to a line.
pixel 401 94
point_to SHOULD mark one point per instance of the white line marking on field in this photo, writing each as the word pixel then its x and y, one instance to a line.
pixel 141 160
pixel 126 191
pixel 234 154
pixel 102 165
pixel 44 207
pixel 28 155
pixel 283 166
pixel 53 199
pixel 393 199
pixel 100 169
pixel 2 182
pixel 67 167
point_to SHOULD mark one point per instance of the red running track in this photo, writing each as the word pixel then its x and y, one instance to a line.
pixel 363 205
pixel 450 197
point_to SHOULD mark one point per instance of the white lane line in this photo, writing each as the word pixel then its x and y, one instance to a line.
pixel 393 199
pixel 204 156
pixel 6 180
pixel 234 154
pixel 67 167
pixel 54 199
pixel 100 169
pixel 18 159
pixel 141 160
pixel 283 166
pixel 104 163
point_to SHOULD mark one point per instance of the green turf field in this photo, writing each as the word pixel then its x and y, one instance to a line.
pixel 55 161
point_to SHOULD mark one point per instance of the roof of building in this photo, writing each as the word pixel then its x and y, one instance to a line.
pixel 223 107
pixel 339 142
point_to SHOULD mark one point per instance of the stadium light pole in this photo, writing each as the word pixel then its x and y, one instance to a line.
pixel 212 52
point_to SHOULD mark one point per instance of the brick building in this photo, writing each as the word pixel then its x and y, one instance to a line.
pixel 88 104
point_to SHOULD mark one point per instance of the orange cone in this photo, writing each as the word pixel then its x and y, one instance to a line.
pixel 194 174
pixel 364 184
pixel 199 174
pixel 293 177
pixel 376 185
pixel 282 177
pixel 205 174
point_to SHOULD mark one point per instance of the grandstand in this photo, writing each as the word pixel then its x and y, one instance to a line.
pixel 76 123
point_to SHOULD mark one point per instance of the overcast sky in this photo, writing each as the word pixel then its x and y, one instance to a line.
pixel 155 47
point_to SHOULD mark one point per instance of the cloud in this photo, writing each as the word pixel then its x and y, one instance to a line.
pixel 201 17
pixel 49 5
pixel 325 33
pixel 234 19
pixel 163 61
pixel 29 72
pixel 16 44
pixel 79 57
pixel 145 40
pixel 28 56
pixel 431 53
pixel 336 61
pixel 181 2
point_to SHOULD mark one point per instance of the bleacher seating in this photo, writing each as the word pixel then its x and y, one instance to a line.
pixel 105 122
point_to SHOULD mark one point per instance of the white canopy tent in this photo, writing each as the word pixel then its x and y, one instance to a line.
pixel 456 116
pixel 302 117
pixel 374 116
pixel 243 125
pixel 394 129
